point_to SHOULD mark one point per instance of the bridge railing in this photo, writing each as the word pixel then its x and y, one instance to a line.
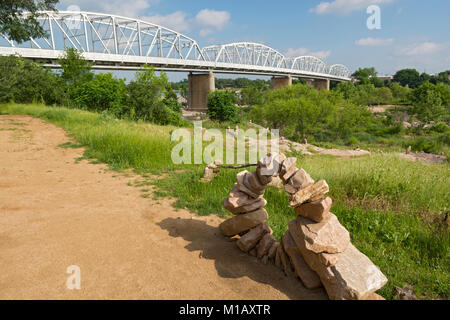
pixel 98 35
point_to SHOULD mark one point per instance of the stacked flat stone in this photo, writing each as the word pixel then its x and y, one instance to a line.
pixel 316 248
pixel 211 171
pixel 246 202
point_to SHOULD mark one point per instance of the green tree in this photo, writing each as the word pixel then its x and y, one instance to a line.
pixel 431 102
pixel 408 77
pixel 251 95
pixel 399 92
pixel 146 98
pixel 102 92
pixel 171 100
pixel 347 89
pixel 18 27
pixel 365 74
pixel 222 106
pixel 24 81
pixel 75 68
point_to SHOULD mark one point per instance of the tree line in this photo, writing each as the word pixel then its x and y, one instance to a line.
pixel 149 97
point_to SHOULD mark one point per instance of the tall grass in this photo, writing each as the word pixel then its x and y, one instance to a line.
pixel 393 208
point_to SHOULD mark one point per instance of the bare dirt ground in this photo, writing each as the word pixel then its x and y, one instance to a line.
pixel 55 213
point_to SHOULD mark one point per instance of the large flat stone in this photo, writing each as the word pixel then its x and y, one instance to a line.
pixel 328 236
pixel 312 258
pixel 239 199
pixel 264 179
pixel 243 222
pixel 289 174
pixel 309 193
pixel 288 168
pixel 252 182
pixel 317 210
pixel 242 187
pixel 308 276
pixel 249 241
pixel 353 277
pixel 244 209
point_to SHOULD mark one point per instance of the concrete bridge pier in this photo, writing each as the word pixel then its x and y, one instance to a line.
pixel 280 82
pixel 322 84
pixel 199 87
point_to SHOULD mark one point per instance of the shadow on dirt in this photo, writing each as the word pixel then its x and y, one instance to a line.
pixel 230 262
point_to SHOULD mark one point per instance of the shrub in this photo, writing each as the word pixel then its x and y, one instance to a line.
pixel 103 92
pixel 147 98
pixel 24 81
pixel 222 106
pixel 431 102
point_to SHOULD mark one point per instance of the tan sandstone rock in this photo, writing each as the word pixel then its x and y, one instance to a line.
pixel 300 180
pixel 288 168
pixel 239 199
pixel 263 247
pixel 208 175
pixel 270 165
pixel 264 179
pixel 328 236
pixel 244 209
pixel 241 185
pixel 273 250
pixel 317 210
pixel 309 193
pixel 312 258
pixel 252 182
pixel 285 262
pixel 353 277
pixel 243 222
pixel 248 241
pixel 277 257
pixel 308 276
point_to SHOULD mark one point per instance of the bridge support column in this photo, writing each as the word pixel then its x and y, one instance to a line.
pixel 199 87
pixel 280 82
pixel 322 84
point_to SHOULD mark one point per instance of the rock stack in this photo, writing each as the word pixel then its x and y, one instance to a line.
pixel 211 171
pixel 316 248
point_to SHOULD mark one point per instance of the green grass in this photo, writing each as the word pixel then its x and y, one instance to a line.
pixel 393 208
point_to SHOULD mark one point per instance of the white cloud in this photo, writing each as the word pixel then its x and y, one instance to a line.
pixel 292 53
pixel 344 6
pixel 421 49
pixel 119 7
pixel 211 20
pixel 177 21
pixel 373 42
pixel 206 20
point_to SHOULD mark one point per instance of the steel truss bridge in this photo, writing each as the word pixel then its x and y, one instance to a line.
pixel 118 43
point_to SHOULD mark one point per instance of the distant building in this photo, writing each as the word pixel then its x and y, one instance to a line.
pixel 386 78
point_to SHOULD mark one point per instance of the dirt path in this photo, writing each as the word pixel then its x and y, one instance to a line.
pixel 55 213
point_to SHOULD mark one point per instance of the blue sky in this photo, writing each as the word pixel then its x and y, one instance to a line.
pixel 414 33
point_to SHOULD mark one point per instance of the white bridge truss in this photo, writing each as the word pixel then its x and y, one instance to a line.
pixel 119 43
